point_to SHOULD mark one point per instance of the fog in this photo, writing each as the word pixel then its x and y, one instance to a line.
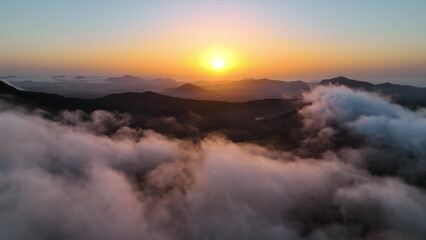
pixel 89 176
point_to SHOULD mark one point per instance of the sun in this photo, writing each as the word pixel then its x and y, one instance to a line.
pixel 218 62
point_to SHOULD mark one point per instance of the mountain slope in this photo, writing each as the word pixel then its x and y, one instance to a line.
pixel 343 81
pixel 83 89
pixel 255 89
pixel 181 117
pixel 190 91
pixel 407 95
pixel 46 101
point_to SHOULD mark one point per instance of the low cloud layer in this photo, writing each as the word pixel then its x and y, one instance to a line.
pixel 384 123
pixel 395 137
pixel 66 179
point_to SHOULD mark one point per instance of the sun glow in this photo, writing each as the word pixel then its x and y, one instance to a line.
pixel 218 63
pixel 218 60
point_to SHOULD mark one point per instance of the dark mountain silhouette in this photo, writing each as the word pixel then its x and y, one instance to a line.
pixel 187 87
pixel 124 79
pixel 230 91
pixel 407 95
pixel 83 89
pixel 46 101
pixel 190 91
pixel 139 80
pixel 5 88
pixel 59 76
pixel 292 89
pixel 254 89
pixel 153 110
pixel 155 104
pixel 343 81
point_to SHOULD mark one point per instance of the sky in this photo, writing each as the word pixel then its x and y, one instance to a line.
pixel 377 40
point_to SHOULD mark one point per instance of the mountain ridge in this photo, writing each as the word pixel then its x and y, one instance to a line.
pixel 230 91
pixel 403 94
pixel 171 115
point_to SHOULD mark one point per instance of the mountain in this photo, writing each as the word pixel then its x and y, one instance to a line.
pixel 89 89
pixel 256 121
pixel 230 91
pixel 281 89
pixel 152 104
pixel 59 76
pixel 407 95
pixel 124 79
pixel 7 89
pixel 190 91
pixel 129 79
pixel 190 88
pixel 8 77
pixel 253 89
pixel 343 81
pixel 46 101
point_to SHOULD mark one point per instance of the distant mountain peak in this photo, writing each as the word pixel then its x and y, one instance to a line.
pixel 259 80
pixel 189 87
pixel 59 76
pixel 124 78
pixel 341 80
pixel 188 90
pixel 265 79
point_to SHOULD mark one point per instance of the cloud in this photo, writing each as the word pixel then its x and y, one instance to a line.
pixel 98 122
pixel 75 178
pixel 382 122
pixel 395 136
